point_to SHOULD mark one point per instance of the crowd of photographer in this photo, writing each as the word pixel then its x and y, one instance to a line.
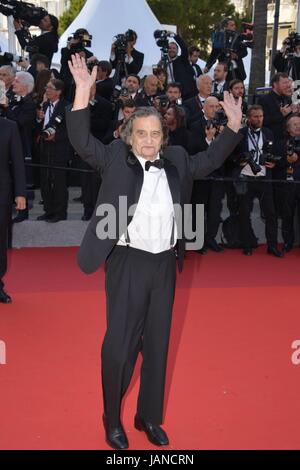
pixel 35 97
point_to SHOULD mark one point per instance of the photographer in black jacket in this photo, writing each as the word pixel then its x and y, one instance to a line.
pixel 231 53
pixel 46 43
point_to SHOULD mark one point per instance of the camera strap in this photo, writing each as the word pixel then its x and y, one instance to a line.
pixel 255 139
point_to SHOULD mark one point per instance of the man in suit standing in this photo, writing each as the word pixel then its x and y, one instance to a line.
pixel 252 184
pixel 133 60
pixel 12 180
pixel 139 251
pixel 194 105
pixel 54 151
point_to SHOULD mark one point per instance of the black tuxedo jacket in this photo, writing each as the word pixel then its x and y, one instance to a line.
pixel 219 54
pixel 122 175
pixel 23 112
pixel 135 66
pixel 183 71
pixel 61 146
pixel 105 88
pixel 273 118
pixel 12 179
pixel 194 109
pixel 46 44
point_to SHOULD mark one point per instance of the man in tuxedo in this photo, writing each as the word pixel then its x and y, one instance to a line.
pixel 104 83
pixel 235 59
pixel 220 76
pixel 277 104
pixel 54 151
pixel 139 252
pixel 46 43
pixel 194 105
pixel 194 56
pixel 252 184
pixel 133 59
pixel 179 67
pixel 12 182
pixel 21 109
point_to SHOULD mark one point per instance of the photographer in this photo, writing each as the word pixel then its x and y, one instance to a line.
pixel 288 195
pixel 149 91
pixel 178 66
pixel 123 50
pixel 256 163
pixel 77 43
pixel 54 151
pixel 46 43
pixel 230 49
pixel 194 106
pixel 175 120
pixel 104 83
pixel 277 104
pixel 209 193
pixel 194 56
pixel 21 109
pixel 288 58
pixel 172 97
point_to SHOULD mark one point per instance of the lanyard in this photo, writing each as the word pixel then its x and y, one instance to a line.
pixel 255 144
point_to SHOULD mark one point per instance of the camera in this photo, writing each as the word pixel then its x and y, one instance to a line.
pixel 292 41
pixel 49 131
pixel 28 13
pixel 249 158
pixel 84 40
pixel 267 155
pixel 163 100
pixel 7 58
pixel 219 119
pixel 161 38
pixel 293 145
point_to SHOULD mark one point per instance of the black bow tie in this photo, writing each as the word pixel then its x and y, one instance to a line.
pixel 255 133
pixel 157 163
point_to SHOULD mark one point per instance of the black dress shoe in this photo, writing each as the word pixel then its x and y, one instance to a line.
pixel 273 250
pixel 287 247
pixel 4 297
pixel 247 251
pixel 214 246
pixel 55 219
pixel 115 436
pixel 22 215
pixel 155 433
pixel 44 217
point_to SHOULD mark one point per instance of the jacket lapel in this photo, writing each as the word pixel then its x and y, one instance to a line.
pixel 173 180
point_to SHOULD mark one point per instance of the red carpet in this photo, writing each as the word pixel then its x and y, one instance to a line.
pixel 231 381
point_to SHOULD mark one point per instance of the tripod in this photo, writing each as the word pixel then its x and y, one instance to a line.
pixel 121 71
pixel 165 63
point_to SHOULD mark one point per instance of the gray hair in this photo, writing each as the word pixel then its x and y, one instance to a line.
pixel 26 79
pixel 11 70
pixel 201 77
pixel 142 112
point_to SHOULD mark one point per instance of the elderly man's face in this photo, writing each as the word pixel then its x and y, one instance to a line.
pixel 6 77
pixel 19 88
pixel 147 137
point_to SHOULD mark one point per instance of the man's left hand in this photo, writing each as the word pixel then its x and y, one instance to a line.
pixel 269 165
pixel 50 138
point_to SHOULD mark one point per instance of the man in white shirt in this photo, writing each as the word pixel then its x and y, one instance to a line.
pixel 138 248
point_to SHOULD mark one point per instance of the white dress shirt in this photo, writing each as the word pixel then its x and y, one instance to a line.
pixel 151 226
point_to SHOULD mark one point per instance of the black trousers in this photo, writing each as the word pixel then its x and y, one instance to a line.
pixel 5 210
pixel 264 192
pixel 140 293
pixel 288 196
pixel 90 185
pixel 54 188
pixel 210 193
